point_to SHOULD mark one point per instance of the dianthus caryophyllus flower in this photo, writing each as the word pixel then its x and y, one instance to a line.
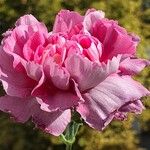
pixel 84 64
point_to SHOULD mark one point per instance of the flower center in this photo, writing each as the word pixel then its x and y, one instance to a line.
pixel 85 42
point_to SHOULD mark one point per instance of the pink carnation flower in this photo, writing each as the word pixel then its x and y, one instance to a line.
pixel 85 64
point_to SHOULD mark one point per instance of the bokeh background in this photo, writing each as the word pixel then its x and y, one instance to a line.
pixel 132 134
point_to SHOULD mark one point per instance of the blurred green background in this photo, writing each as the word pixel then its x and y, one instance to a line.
pixel 133 134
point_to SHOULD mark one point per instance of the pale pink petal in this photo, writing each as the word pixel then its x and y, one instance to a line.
pixel 91 17
pixel 103 101
pixel 7 33
pixel 133 66
pixel 38 55
pixel 13 68
pixel 38 28
pixel 15 41
pixel 50 97
pixel 75 30
pixel 39 76
pixel 34 70
pixel 73 48
pixel 54 123
pixel 13 76
pixel 114 38
pixel 20 35
pixel 91 47
pixel 15 90
pixel 88 74
pixel 57 100
pixel 32 44
pixel 27 20
pixel 20 109
pixel 66 20
pixel 133 107
pixel 56 74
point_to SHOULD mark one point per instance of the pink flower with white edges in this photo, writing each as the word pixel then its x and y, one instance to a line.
pixel 85 64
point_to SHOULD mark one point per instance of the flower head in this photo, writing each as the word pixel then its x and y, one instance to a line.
pixel 85 64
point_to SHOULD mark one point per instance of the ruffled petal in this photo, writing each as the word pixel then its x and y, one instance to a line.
pixel 20 109
pixel 32 44
pixel 15 41
pixel 57 100
pixel 133 107
pixel 91 17
pixel 132 66
pixel 66 20
pixel 59 76
pixel 102 102
pixel 13 76
pixel 88 74
pixel 27 20
pixel 54 123
pixel 114 38
pixel 34 71
pixel 49 96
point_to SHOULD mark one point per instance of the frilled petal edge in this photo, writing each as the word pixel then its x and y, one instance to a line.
pixel 27 20
pixel 88 74
pixel 23 109
pixel 103 101
pixel 132 66
pixel 54 123
pixel 65 20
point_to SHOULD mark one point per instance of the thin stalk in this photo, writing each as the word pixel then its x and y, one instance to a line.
pixel 68 146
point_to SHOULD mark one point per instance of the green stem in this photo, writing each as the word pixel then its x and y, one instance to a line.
pixel 68 146
pixel 69 136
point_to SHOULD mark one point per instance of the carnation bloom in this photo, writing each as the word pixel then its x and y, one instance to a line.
pixel 85 64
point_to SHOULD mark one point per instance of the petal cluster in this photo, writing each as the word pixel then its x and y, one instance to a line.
pixel 84 64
